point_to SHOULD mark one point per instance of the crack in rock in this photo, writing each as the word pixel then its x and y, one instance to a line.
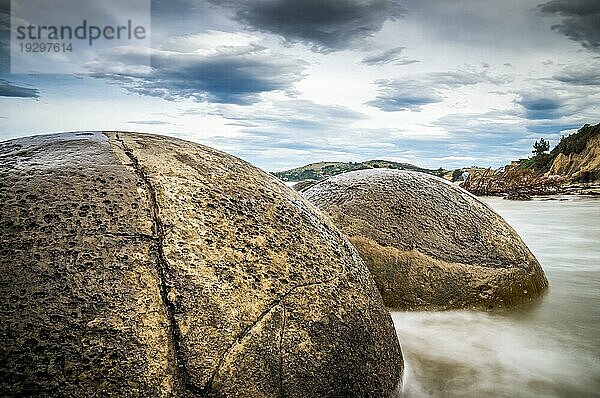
pixel 249 328
pixel 283 323
pixel 162 269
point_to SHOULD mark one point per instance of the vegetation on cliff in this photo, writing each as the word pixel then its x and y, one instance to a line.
pixel 575 159
pixel 573 144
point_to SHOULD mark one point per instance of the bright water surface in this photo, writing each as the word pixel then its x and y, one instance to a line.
pixel 549 349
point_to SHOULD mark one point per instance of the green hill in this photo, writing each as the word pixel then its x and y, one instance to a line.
pixel 321 170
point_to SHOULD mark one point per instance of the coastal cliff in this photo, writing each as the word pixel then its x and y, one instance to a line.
pixel 573 166
pixel 579 162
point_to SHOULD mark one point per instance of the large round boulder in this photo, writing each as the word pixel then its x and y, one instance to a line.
pixel 428 243
pixel 136 265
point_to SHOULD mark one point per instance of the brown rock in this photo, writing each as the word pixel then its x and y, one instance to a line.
pixel 140 265
pixel 428 243
pixel 303 185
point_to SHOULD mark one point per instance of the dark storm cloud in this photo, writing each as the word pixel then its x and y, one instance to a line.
pixel 552 129
pixel 8 89
pixel 383 58
pixel 230 76
pixel 399 95
pixel 4 35
pixel 326 25
pixel 542 105
pixel 512 25
pixel 580 76
pixel 413 94
pixel 580 20
pixel 175 8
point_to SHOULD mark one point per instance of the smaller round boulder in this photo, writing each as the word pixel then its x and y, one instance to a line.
pixel 428 243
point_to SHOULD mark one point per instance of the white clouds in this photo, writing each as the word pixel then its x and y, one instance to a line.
pixel 414 93
pixel 210 42
pixel 235 74
pixel 385 57
pixel 580 75
pixel 281 84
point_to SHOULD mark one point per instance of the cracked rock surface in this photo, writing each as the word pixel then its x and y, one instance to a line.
pixel 428 243
pixel 136 265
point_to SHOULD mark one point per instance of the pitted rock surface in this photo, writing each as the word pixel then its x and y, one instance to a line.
pixel 428 243
pixel 135 265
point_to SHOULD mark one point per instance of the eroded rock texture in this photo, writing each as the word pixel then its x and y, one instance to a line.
pixel 428 243
pixel 139 265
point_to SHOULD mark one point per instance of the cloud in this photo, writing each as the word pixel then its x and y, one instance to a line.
pixel 385 57
pixel 451 79
pixel 294 114
pixel 497 137
pixel 149 122
pixel 583 75
pixel 325 25
pixel 413 94
pixel 8 89
pixel 399 95
pixel 543 105
pixel 284 133
pixel 406 61
pixel 225 74
pixel 579 20
pixel 4 35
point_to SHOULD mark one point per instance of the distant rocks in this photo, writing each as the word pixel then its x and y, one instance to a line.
pixel 428 243
pixel 572 167
pixel 146 266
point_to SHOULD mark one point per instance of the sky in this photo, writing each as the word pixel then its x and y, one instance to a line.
pixel 283 83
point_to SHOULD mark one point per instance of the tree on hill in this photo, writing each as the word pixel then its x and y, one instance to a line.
pixel 540 161
pixel 540 147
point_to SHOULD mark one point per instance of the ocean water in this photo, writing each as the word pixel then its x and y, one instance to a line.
pixel 548 349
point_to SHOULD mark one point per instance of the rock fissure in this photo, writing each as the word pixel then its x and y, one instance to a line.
pixel 162 270
pixel 249 328
pixel 283 322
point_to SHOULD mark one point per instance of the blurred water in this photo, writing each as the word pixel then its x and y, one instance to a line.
pixel 549 349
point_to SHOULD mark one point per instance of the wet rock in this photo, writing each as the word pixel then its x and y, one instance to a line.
pixel 428 243
pixel 139 265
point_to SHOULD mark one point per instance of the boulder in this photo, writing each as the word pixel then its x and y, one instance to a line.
pixel 136 265
pixel 428 243
pixel 303 185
